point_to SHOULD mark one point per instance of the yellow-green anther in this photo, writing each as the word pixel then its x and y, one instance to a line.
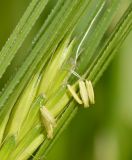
pixel 74 94
pixel 84 93
pixel 90 91
pixel 48 121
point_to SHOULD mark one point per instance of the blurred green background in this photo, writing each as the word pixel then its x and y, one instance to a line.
pixel 102 132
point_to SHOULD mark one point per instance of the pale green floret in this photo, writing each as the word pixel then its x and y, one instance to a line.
pixel 27 144
pixel 7 147
pixel 22 106
pixel 53 70
pixel 32 117
pixel 31 148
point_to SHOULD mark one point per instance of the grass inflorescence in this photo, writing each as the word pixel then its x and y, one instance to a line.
pixel 45 93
